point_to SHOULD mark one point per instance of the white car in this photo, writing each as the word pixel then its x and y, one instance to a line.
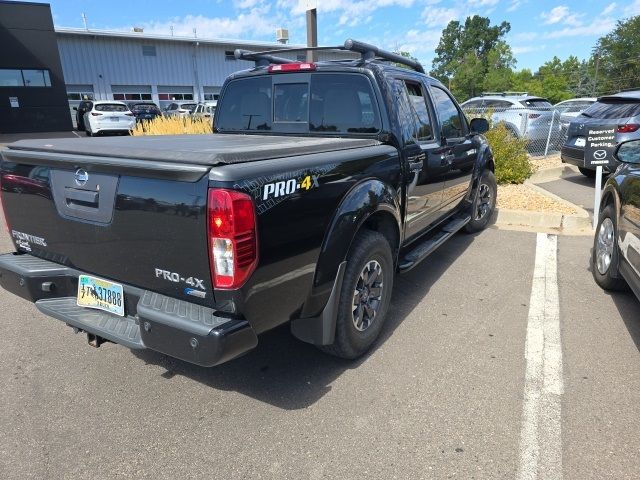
pixel 205 110
pixel 108 116
pixel 570 109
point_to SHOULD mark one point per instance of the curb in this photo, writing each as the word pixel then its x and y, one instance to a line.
pixel 555 222
pixel 553 173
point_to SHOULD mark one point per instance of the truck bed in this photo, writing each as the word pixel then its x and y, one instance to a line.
pixel 203 150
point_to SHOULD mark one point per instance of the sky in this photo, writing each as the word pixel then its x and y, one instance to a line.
pixel 540 29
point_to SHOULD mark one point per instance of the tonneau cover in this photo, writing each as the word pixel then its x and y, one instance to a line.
pixel 205 150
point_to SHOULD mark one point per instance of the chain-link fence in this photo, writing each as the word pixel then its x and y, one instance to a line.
pixel 544 129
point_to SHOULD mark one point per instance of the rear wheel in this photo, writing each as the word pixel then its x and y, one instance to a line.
pixel 88 133
pixel 484 204
pixel 587 172
pixel 364 297
pixel 604 264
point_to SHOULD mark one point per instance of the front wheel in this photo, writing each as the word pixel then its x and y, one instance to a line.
pixel 604 265
pixel 364 297
pixel 484 204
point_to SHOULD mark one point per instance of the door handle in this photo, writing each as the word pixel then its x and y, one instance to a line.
pixel 416 162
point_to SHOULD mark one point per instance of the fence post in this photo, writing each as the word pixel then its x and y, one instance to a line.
pixel 553 117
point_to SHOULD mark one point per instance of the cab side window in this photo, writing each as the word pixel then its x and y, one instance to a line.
pixel 454 125
pixel 413 109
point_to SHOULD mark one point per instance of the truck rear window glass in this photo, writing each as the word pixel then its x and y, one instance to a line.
pixel 111 107
pixel 331 103
pixel 612 109
pixel 342 104
pixel 246 105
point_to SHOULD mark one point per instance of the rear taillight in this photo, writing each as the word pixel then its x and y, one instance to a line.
pixel 628 128
pixel 292 67
pixel 233 243
pixel 96 114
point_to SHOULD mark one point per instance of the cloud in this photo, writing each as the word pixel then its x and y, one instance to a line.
pixel 555 15
pixel 519 50
pixel 516 4
pixel 439 17
pixel 633 9
pixel 254 23
pixel 597 27
pixel 609 8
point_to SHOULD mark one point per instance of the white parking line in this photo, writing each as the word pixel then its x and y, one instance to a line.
pixel 541 434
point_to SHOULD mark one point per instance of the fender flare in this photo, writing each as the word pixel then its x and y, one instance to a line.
pixel 363 200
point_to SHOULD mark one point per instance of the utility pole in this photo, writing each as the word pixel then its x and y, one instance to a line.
pixel 595 79
pixel 312 30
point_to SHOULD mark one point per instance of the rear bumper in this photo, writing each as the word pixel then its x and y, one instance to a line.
pixel 167 325
pixel 575 156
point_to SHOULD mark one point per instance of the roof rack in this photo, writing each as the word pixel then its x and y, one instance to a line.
pixel 504 94
pixel 366 51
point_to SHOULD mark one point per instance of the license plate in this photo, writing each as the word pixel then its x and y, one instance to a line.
pixel 580 142
pixel 101 294
pixel 114 119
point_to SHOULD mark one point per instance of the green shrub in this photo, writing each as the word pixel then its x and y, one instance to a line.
pixel 509 155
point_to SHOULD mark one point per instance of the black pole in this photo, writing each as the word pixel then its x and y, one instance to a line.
pixel 312 34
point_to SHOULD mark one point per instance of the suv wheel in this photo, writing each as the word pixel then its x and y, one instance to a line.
pixel 604 262
pixel 484 204
pixel 365 296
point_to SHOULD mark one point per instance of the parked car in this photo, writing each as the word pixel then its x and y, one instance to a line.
pixel 144 110
pixel 80 110
pixel 320 182
pixel 615 260
pixel 108 116
pixel 621 110
pixel 569 109
pixel 525 116
pixel 205 110
pixel 179 109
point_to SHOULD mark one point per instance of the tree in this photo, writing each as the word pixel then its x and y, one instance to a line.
pixel 465 53
pixel 405 55
pixel 618 57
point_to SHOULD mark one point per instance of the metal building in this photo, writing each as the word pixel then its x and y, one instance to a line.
pixel 107 65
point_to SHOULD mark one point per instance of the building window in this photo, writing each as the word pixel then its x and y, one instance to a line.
pixel 149 50
pixel 301 57
pixel 211 96
pixel 229 55
pixel 24 78
pixel 132 96
pixel 175 96
pixel 77 96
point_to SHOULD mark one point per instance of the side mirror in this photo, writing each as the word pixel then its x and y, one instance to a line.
pixel 75 108
pixel 479 125
pixel 629 152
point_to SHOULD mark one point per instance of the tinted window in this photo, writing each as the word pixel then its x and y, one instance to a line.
pixel 422 122
pixel 291 102
pixel 111 107
pixel 536 103
pixel 11 78
pixel 613 109
pixel 188 106
pixel 452 124
pixel 246 105
pixel 473 104
pixel 145 107
pixel 342 104
pixel 498 104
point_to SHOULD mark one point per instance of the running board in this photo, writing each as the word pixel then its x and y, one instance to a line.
pixel 425 248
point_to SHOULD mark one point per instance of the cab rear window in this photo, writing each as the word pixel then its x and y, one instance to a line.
pixel 327 103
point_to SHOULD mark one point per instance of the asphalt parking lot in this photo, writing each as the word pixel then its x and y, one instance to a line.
pixel 458 386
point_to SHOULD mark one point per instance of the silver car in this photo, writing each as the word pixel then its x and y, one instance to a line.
pixel 570 109
pixel 525 116
pixel 621 110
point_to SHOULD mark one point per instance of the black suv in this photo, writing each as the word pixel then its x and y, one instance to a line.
pixel 615 261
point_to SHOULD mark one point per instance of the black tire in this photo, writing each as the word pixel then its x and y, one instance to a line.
pixel 587 172
pixel 369 248
pixel 88 133
pixel 484 204
pixel 606 276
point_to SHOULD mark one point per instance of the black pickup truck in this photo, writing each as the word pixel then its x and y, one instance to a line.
pixel 320 182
